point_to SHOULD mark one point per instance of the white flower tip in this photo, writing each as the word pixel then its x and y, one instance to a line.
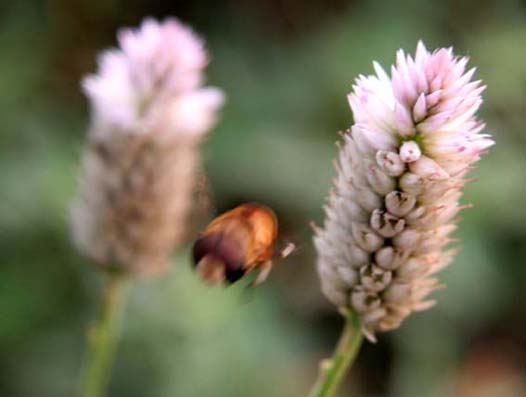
pixel 136 84
pixel 380 72
pixel 213 96
pixel 421 47
pixel 195 113
pixel 400 56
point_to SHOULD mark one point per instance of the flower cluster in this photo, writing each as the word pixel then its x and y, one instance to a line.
pixel 149 114
pixel 401 169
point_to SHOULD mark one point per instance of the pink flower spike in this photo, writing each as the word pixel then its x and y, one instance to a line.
pixel 415 139
pixel 140 166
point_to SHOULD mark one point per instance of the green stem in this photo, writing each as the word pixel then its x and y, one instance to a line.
pixel 333 369
pixel 103 336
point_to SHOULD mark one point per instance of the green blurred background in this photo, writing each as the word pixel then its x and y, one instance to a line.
pixel 286 67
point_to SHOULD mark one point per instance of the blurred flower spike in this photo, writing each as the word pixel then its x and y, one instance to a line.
pixel 401 170
pixel 149 113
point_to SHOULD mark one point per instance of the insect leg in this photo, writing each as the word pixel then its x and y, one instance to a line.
pixel 264 271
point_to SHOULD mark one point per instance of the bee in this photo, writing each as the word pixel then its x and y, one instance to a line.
pixel 237 242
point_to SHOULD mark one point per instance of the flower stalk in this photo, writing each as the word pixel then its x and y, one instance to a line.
pixel 103 336
pixel 333 370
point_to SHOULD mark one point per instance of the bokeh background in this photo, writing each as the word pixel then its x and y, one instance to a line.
pixel 286 67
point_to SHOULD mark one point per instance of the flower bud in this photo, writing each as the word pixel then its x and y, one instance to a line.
pixel 397 292
pixel 375 315
pixel 407 240
pixel 411 269
pixel 411 183
pixel 396 313
pixel 348 275
pixel 367 198
pixel 399 203
pixel 355 255
pixel 410 152
pixel 350 208
pixel 416 214
pixel 331 275
pixel 366 238
pixel 338 296
pixel 364 301
pixel 390 258
pixel 390 322
pixel 380 182
pixel 374 278
pixel 371 140
pixel 386 224
pixel 384 257
pixel 390 163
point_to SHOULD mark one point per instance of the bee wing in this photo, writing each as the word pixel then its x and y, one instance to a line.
pixel 201 209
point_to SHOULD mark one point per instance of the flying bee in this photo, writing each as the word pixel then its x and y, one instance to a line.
pixel 237 242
